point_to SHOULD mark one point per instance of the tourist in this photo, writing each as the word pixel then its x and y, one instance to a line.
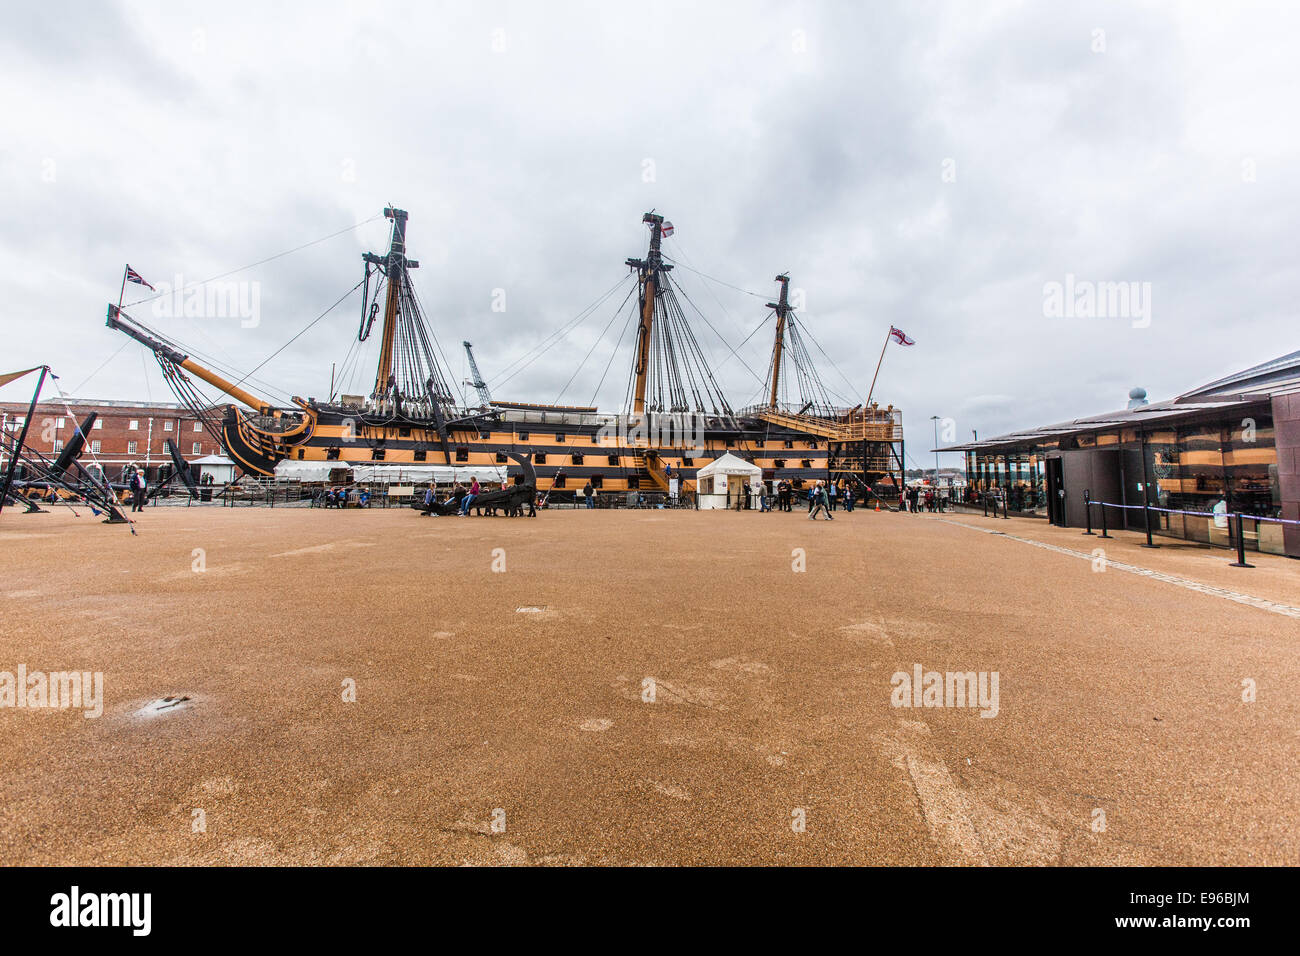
pixel 821 502
pixel 589 494
pixel 468 500
pixel 138 483
pixel 848 499
pixel 832 493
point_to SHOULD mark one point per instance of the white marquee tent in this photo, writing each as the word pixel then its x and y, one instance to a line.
pixel 725 480
pixel 390 474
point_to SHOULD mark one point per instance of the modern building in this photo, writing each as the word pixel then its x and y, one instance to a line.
pixel 1229 446
pixel 125 433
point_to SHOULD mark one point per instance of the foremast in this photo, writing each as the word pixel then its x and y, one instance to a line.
pixel 650 272
pixel 394 265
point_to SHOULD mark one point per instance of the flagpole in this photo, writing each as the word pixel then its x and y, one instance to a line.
pixel 881 359
pixel 121 293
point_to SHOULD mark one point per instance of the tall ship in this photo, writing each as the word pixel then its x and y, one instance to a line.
pixel 674 420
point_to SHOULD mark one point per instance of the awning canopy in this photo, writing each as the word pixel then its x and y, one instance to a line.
pixel 390 474
pixel 730 464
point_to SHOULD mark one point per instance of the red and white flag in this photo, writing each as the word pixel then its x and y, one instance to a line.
pixel 667 229
pixel 899 336
pixel 133 276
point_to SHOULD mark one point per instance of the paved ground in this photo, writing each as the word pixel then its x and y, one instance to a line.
pixel 1119 692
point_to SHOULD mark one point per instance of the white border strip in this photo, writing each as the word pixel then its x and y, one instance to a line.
pixel 1247 599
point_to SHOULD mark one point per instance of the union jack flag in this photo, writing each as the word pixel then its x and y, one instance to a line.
pixel 899 336
pixel 133 276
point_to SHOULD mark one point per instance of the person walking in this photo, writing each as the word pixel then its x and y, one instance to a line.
pixel 848 499
pixel 821 502
pixel 832 493
pixel 138 485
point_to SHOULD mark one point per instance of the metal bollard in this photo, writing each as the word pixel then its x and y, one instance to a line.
pixel 1146 514
pixel 1087 511
pixel 1241 544
pixel 1103 520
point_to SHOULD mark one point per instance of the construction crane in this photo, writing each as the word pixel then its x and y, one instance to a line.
pixel 477 381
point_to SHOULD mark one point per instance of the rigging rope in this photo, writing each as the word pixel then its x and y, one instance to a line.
pixel 252 265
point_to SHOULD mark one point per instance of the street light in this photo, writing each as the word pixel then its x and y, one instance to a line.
pixel 935 419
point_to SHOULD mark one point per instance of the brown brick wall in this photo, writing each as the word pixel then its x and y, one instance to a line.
pixel 114 432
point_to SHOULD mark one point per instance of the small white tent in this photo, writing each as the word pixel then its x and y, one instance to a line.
pixel 726 480
pixel 221 468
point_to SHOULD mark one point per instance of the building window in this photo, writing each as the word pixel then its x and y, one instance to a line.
pixel 167 425
pixel 133 425
pixel 688 462
pixel 421 454
pixel 634 481
pixel 301 454
pixel 613 460
pixel 462 453
pixel 198 448
pixel 558 482
pixel 99 423
pixel 577 459
pixel 731 443
pixel 789 443
pixel 540 458
pixel 332 453
pixel 130 447
pixel 806 463
pixel 559 438
pixel 58 444
pixel 198 426
pixel 94 447
pixel 379 454
pixel 759 443
pixel 501 457
pixel 778 463
pixel 597 481
pixel 523 436
pixel 60 422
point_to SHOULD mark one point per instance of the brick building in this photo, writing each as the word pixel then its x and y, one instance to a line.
pixel 126 433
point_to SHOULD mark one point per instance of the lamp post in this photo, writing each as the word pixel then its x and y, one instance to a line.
pixel 935 419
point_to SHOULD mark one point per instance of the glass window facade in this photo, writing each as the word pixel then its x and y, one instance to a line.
pixel 1194 466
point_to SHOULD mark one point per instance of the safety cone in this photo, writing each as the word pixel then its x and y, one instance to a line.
pixel 877 504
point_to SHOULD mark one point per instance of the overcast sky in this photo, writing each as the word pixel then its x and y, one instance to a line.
pixel 926 165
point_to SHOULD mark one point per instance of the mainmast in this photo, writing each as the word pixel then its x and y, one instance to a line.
pixel 648 270
pixel 782 308
pixel 394 265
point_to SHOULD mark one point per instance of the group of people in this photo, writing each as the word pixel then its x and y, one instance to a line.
pixel 337 497
pixel 782 498
pixel 463 498
pixel 914 500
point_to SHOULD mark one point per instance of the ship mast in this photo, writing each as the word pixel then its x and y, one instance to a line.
pixel 782 309
pixel 648 270
pixel 394 265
